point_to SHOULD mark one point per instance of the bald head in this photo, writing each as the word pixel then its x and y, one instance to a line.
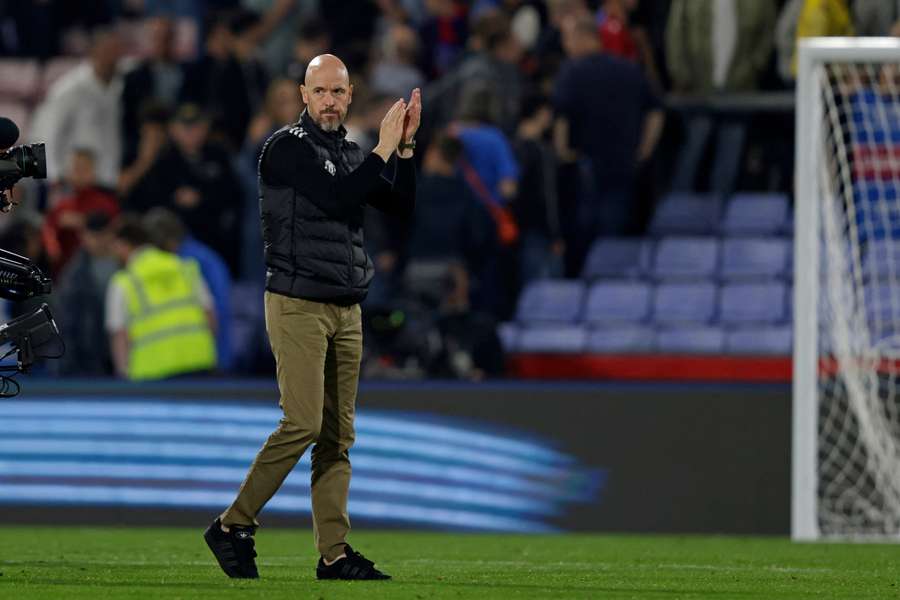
pixel 327 92
pixel 326 65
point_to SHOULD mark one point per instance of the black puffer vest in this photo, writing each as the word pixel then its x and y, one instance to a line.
pixel 309 254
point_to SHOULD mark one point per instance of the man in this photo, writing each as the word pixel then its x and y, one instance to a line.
pixel 80 295
pixel 159 313
pixel 313 186
pixel 83 109
pixel 157 79
pixel 609 120
pixel 65 221
pixel 168 232
pixel 194 177
pixel 716 47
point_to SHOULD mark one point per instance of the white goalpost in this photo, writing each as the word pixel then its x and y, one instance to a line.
pixel 846 387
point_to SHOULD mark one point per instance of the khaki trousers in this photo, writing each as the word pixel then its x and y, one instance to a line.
pixel 317 349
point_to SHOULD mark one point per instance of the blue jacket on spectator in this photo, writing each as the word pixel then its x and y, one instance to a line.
pixel 215 272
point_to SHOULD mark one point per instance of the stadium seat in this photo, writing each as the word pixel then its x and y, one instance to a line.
pixel 618 301
pixel 684 303
pixel 686 214
pixel 752 258
pixel 554 300
pixel 881 259
pixel 618 258
pixel 19 79
pixel 881 300
pixel 686 258
pixel 556 339
pixel 509 336
pixel 621 339
pixel 756 214
pixel 690 340
pixel 760 340
pixel 753 303
pixel 877 210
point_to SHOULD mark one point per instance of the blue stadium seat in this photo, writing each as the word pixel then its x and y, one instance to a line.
pixel 509 336
pixel 685 303
pixel 621 339
pixel 690 340
pixel 617 258
pixel 881 300
pixel 753 258
pixel 760 340
pixel 686 258
pixel 618 301
pixel 554 300
pixel 877 208
pixel 753 303
pixel 686 214
pixel 881 259
pixel 756 214
pixel 561 339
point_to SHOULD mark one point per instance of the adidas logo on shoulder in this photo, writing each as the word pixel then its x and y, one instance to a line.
pixel 298 131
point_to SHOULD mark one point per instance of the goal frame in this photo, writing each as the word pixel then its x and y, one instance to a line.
pixel 812 53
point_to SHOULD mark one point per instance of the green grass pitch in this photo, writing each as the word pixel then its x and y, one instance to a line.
pixel 108 563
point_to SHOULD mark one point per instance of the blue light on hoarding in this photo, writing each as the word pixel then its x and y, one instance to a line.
pixel 417 469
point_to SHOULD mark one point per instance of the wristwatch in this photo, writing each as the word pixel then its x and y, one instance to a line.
pixel 410 145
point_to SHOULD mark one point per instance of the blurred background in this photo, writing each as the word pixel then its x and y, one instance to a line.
pixel 604 195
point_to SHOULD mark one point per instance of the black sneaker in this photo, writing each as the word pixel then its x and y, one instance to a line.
pixel 234 550
pixel 353 566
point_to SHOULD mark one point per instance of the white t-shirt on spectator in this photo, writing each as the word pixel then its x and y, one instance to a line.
pixel 80 111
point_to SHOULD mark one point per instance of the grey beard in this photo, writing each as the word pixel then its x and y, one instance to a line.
pixel 329 125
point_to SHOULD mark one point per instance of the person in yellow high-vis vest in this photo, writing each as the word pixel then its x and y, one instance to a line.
pixel 159 312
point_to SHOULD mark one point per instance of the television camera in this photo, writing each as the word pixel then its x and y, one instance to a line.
pixel 20 278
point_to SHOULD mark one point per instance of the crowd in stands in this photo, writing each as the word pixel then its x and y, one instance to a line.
pixel 543 129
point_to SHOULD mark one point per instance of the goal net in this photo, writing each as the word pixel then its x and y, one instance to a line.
pixel 846 471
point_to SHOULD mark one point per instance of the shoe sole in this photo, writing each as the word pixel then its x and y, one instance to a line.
pixel 208 538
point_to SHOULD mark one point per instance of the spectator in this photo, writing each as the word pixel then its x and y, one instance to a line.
pixel 450 224
pixel 536 206
pixel 549 49
pixel 396 74
pixel 609 120
pixel 273 31
pixel 168 233
pixel 786 38
pixel 875 17
pixel 155 80
pixel 490 168
pixel 312 40
pixel 823 18
pixel 194 177
pixel 79 301
pixel 616 37
pixel 620 36
pixel 152 139
pixel 489 164
pixel 282 106
pixel 494 63
pixel 443 35
pixel 83 110
pixel 65 222
pixel 731 56
pixel 219 82
pixel 159 312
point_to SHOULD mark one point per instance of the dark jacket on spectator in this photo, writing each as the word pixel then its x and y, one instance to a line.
pixel 214 219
